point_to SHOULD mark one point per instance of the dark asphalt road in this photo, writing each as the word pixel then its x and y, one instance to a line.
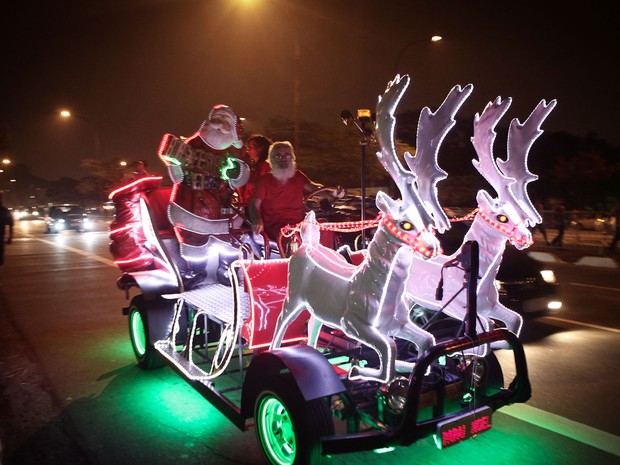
pixel 28 399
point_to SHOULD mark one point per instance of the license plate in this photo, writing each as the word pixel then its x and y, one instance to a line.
pixel 455 430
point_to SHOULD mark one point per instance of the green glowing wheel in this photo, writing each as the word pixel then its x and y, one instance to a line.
pixel 140 329
pixel 287 426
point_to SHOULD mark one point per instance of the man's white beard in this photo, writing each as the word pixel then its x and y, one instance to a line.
pixel 284 174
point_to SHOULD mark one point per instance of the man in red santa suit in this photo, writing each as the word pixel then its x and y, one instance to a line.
pixel 278 198
pixel 205 169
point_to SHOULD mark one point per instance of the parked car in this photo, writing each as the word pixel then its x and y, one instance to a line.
pixel 66 217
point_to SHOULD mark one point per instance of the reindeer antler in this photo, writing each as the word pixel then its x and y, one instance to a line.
pixel 385 133
pixel 418 184
pixel 520 140
pixel 432 128
pixel 483 140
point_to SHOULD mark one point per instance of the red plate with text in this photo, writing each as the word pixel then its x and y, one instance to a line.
pixel 468 425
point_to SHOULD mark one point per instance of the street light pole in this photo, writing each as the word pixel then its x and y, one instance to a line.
pixel 283 15
pixel 363 123
pixel 297 90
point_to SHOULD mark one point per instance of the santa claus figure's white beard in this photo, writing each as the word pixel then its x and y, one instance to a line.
pixel 217 139
pixel 283 174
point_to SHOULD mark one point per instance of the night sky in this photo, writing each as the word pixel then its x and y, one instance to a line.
pixel 132 70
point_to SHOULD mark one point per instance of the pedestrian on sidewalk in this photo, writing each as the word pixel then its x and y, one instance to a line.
pixel 615 212
pixel 541 226
pixel 559 215
pixel 6 219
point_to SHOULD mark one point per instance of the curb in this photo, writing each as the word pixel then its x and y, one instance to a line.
pixel 601 262
pixel 604 262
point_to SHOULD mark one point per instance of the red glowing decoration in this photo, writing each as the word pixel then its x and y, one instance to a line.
pixel 129 246
pixel 480 425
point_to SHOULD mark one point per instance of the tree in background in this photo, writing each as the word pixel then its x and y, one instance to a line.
pixel 581 172
pixel 332 155
pixel 106 175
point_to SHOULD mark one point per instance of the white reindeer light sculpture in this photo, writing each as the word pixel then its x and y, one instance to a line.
pixel 505 218
pixel 367 301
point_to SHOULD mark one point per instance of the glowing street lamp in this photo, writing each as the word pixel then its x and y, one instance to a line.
pixel 296 75
pixel 66 114
pixel 401 54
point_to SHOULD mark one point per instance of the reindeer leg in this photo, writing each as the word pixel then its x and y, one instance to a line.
pixel 421 338
pixel 314 329
pixel 284 319
pixel 511 319
pixel 383 345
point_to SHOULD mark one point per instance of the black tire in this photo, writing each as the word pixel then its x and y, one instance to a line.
pixel 288 428
pixel 140 334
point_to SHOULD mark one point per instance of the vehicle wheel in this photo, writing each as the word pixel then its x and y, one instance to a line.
pixel 139 331
pixel 288 427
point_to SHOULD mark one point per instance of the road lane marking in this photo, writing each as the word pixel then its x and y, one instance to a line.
pixel 571 429
pixel 606 288
pixel 580 323
pixel 78 251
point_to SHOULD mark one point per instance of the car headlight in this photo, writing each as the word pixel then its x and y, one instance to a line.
pixel 548 276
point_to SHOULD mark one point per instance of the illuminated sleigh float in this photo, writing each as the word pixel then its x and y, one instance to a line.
pixel 168 272
pixel 320 353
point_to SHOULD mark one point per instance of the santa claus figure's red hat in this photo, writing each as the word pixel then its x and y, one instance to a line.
pixel 238 143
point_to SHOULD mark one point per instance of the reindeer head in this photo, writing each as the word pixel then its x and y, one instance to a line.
pixel 412 218
pixel 408 225
pixel 511 212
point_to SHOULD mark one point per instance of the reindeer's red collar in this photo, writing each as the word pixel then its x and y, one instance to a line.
pixel 511 231
pixel 412 241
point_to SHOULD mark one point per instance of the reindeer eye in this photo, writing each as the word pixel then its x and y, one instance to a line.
pixel 502 218
pixel 406 226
